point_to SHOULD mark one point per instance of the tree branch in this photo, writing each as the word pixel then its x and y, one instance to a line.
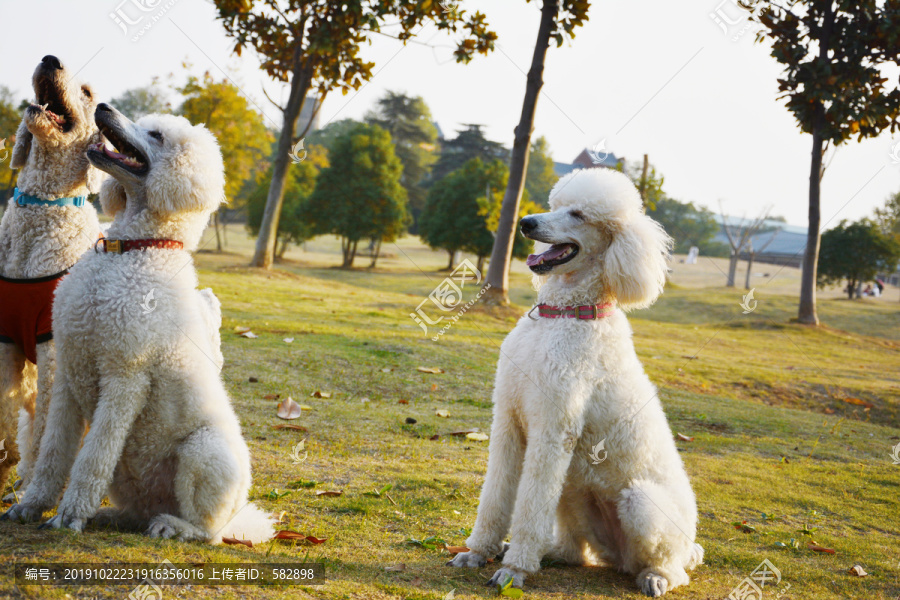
pixel 275 104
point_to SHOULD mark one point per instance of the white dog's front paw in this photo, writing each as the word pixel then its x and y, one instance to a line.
pixel 63 521
pixel 504 574
pixel 654 585
pixel 24 513
pixel 467 559
pixel 161 528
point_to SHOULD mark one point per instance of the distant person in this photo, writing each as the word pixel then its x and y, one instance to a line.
pixel 868 290
pixel 880 285
pixel 692 256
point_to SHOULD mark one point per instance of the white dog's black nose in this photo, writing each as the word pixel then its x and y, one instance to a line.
pixel 528 224
pixel 51 62
pixel 104 107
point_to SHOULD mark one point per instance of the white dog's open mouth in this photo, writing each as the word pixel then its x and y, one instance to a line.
pixel 50 102
pixel 123 154
pixel 556 255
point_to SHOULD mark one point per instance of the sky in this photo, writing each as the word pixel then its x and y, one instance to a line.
pixel 683 82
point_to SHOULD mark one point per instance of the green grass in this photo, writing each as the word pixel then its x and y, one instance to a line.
pixel 765 400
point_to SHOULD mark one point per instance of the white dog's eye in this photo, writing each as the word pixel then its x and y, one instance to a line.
pixel 156 136
pixel 87 92
pixel 577 214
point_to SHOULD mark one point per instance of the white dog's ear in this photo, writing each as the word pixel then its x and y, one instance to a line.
pixel 112 196
pixel 189 178
pixel 22 147
pixel 635 262
pixel 95 177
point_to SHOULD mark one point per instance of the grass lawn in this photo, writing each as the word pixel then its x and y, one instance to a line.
pixel 792 432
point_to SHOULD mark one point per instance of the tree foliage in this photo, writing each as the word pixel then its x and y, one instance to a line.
pixel 689 225
pixel 138 102
pixel 408 120
pixel 359 196
pixel 856 252
pixel 469 143
pixel 315 45
pixel 540 177
pixel 10 117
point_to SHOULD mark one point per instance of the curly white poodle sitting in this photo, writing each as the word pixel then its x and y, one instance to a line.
pixel 579 432
pixel 139 356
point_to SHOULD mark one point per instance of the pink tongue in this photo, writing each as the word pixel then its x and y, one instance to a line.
pixel 553 252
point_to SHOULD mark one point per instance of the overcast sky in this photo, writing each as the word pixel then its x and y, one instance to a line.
pixel 655 76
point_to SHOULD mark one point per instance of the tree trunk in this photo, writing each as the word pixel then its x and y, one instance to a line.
pixel 732 269
pixel 285 241
pixel 452 254
pixel 216 227
pixel 300 82
pixel 643 187
pixel 851 288
pixel 807 310
pixel 352 256
pixel 480 266
pixel 749 267
pixel 501 255
pixel 375 254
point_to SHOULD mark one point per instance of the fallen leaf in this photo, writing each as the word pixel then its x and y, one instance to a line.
pixel 478 437
pixel 288 535
pixel 387 369
pixel 328 493
pixel 253 380
pixel 858 571
pixel 249 334
pixel 743 527
pixel 456 549
pixel 288 340
pixel 232 541
pixel 290 426
pixel 463 433
pixel 433 370
pixel 434 387
pixel 315 540
pixel 436 436
pixel 821 549
pixel 271 396
pixel 241 329
pixel 684 438
pixel 281 516
pixel 320 394
pixel 689 357
pixel 288 409
pixel 402 401
pixel 443 413
pixel 829 411
pixel 410 421
pixel 858 402
pixel 396 568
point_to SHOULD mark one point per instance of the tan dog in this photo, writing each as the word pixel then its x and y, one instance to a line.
pixel 45 229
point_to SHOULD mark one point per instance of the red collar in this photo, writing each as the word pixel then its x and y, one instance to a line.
pixel 120 246
pixel 585 312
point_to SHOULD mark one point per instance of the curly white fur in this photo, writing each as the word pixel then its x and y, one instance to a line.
pixel 164 440
pixel 565 385
pixel 36 241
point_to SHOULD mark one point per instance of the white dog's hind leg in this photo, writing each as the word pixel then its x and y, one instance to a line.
pixel 498 495
pixel 30 449
pixel 122 398
pixel 656 547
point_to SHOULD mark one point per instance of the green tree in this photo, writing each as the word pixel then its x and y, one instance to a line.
pixel 408 120
pixel 312 44
pixel 855 252
pixel 138 102
pixel 294 227
pixel 648 182
pixel 242 135
pixel 834 54
pixel 540 177
pixel 10 117
pixel 359 196
pixel 469 143
pixel 559 19
pixel 326 136
pixel 888 216
pixel 689 225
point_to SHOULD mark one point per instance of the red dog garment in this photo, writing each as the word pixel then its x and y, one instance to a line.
pixel 25 312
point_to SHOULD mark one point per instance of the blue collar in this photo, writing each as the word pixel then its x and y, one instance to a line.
pixel 24 199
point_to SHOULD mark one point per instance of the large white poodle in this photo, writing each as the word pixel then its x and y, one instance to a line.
pixel 583 467
pixel 46 227
pixel 139 356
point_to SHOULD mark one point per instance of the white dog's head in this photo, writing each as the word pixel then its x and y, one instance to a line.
pixel 162 165
pixel 55 132
pixel 597 240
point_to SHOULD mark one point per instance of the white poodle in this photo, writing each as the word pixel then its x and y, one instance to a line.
pixel 579 432
pixel 47 225
pixel 138 358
